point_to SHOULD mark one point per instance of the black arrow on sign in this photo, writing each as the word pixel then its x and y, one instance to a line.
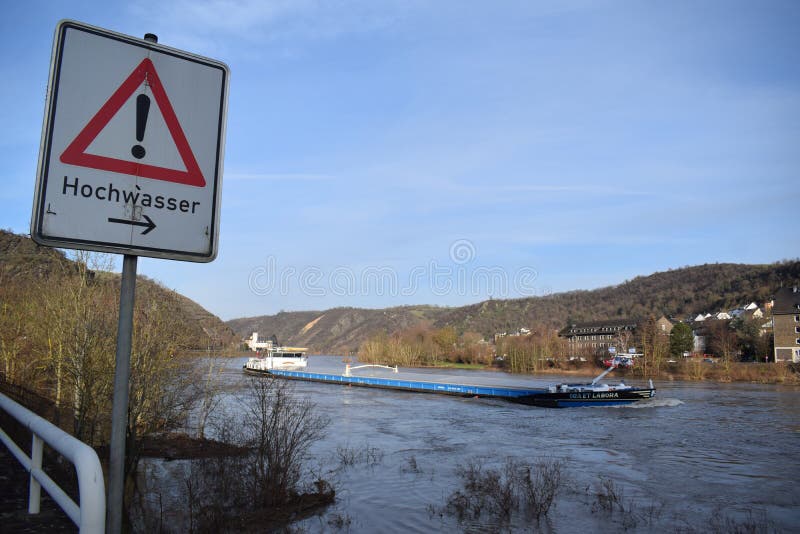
pixel 149 224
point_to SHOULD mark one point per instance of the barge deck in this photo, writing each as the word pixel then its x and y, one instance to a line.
pixel 418 386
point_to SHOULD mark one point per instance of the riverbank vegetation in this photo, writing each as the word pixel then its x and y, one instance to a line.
pixel 542 351
pixel 255 472
pixel 422 346
pixel 262 486
pixel 58 329
pixel 59 340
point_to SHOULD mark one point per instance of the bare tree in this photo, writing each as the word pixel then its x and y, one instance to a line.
pixel 724 342
pixel 655 346
pixel 528 354
pixel 161 381
pixel 283 428
pixel 208 393
pixel 79 323
pixel 15 316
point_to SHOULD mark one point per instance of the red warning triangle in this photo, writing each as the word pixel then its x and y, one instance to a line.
pixel 75 154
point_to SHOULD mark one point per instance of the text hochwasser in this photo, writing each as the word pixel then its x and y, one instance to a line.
pixel 135 197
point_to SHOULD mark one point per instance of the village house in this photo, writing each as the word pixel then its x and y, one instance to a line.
pixel 751 311
pixel 786 324
pixel 521 332
pixel 597 336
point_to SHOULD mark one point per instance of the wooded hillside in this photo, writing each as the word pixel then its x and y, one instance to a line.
pixel 30 268
pixel 676 293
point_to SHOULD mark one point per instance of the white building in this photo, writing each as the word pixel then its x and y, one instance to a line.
pixel 255 344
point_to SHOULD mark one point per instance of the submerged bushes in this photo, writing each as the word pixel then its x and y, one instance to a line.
pixel 268 484
pixel 496 495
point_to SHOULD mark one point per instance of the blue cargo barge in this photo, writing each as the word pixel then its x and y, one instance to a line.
pixel 462 390
pixel 553 396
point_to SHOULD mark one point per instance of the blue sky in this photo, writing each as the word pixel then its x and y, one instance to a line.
pixel 382 153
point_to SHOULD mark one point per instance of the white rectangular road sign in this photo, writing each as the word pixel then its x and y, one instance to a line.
pixel 132 147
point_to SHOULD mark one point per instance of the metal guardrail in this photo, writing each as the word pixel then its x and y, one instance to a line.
pixel 90 515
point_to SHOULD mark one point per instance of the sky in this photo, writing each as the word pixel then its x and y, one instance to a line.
pixel 384 153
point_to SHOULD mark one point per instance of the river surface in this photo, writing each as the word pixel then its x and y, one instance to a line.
pixel 699 457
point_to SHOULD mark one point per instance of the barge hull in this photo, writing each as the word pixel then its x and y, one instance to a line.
pixel 575 399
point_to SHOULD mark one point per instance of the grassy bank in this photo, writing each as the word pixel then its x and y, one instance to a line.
pixel 757 373
pixel 457 365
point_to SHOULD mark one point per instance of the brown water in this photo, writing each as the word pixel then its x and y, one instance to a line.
pixel 697 450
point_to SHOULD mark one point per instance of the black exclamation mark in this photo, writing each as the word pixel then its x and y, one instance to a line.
pixel 142 108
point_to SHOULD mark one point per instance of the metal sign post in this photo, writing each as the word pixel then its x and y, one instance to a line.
pixel 130 163
pixel 119 410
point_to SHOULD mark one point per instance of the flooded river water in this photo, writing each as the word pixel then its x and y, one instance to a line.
pixel 700 457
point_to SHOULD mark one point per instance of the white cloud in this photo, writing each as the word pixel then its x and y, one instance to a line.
pixel 278 177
